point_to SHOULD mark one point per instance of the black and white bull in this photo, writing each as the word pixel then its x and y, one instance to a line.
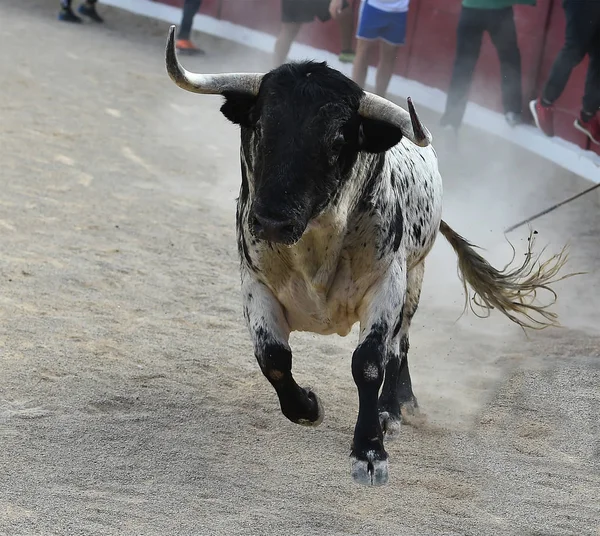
pixel 340 203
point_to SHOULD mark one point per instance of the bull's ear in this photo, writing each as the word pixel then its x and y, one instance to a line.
pixel 376 136
pixel 238 107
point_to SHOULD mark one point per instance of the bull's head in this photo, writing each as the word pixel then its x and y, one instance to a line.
pixel 303 126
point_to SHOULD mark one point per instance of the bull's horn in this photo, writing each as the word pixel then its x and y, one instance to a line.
pixel 375 107
pixel 212 84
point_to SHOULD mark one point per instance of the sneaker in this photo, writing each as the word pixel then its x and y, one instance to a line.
pixel 66 14
pixel 89 10
pixel 590 128
pixel 513 119
pixel 543 116
pixel 185 46
pixel 346 56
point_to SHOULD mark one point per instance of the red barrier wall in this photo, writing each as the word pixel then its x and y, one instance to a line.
pixel 429 53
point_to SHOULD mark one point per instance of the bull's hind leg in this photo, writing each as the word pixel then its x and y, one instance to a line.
pixel 378 318
pixel 270 333
pixel 397 397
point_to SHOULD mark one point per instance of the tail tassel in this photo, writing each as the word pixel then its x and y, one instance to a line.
pixel 512 291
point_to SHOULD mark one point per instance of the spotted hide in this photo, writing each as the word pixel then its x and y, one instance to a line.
pixel 340 203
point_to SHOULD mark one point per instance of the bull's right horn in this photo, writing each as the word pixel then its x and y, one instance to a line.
pixel 211 84
pixel 376 107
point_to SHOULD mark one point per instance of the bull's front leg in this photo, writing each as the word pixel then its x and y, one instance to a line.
pixel 270 334
pixel 380 316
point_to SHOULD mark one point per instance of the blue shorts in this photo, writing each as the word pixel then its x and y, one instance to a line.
pixel 377 24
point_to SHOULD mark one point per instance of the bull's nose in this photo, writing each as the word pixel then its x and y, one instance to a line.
pixel 274 229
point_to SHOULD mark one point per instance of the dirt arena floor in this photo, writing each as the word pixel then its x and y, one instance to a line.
pixel 130 402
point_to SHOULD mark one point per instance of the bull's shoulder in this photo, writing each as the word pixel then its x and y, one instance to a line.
pixel 401 200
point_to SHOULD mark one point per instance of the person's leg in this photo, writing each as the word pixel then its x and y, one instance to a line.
pixel 361 61
pixel 66 12
pixel 366 35
pixel 392 34
pixel 346 24
pixel 571 54
pixel 88 8
pixel 588 121
pixel 469 34
pixel 287 35
pixel 293 15
pixel 591 96
pixel 387 61
pixel 578 36
pixel 504 37
pixel 184 43
pixel 189 10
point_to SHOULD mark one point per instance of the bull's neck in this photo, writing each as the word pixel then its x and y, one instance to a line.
pixel 366 175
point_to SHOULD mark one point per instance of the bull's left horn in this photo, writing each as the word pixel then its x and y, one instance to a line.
pixel 376 107
pixel 211 84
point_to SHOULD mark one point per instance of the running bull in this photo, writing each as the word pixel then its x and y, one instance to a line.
pixel 340 203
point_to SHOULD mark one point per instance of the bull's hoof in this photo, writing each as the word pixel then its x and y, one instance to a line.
pixel 411 414
pixel 319 407
pixel 392 420
pixel 369 473
pixel 390 425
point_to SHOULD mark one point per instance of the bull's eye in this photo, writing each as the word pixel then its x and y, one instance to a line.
pixel 338 143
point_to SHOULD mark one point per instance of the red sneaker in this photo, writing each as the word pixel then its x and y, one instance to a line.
pixel 543 116
pixel 590 128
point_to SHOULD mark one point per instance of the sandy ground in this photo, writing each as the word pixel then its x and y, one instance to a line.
pixel 130 402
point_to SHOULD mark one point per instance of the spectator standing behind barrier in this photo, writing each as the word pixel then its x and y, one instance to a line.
pixel 582 37
pixel 383 21
pixel 497 18
pixel 87 8
pixel 184 43
pixel 295 13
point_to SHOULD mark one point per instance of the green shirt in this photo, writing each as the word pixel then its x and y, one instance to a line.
pixel 495 4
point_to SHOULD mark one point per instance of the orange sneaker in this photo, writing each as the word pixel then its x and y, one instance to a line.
pixel 185 46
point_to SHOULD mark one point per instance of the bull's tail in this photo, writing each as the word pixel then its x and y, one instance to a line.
pixel 512 291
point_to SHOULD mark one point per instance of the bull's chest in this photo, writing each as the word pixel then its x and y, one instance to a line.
pixel 320 285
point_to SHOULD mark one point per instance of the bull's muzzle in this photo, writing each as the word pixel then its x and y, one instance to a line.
pixel 278 229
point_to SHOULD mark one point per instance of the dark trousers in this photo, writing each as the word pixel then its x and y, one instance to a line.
pixel 500 24
pixel 190 8
pixel 581 37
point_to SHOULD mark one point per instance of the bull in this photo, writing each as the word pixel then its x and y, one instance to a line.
pixel 340 203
